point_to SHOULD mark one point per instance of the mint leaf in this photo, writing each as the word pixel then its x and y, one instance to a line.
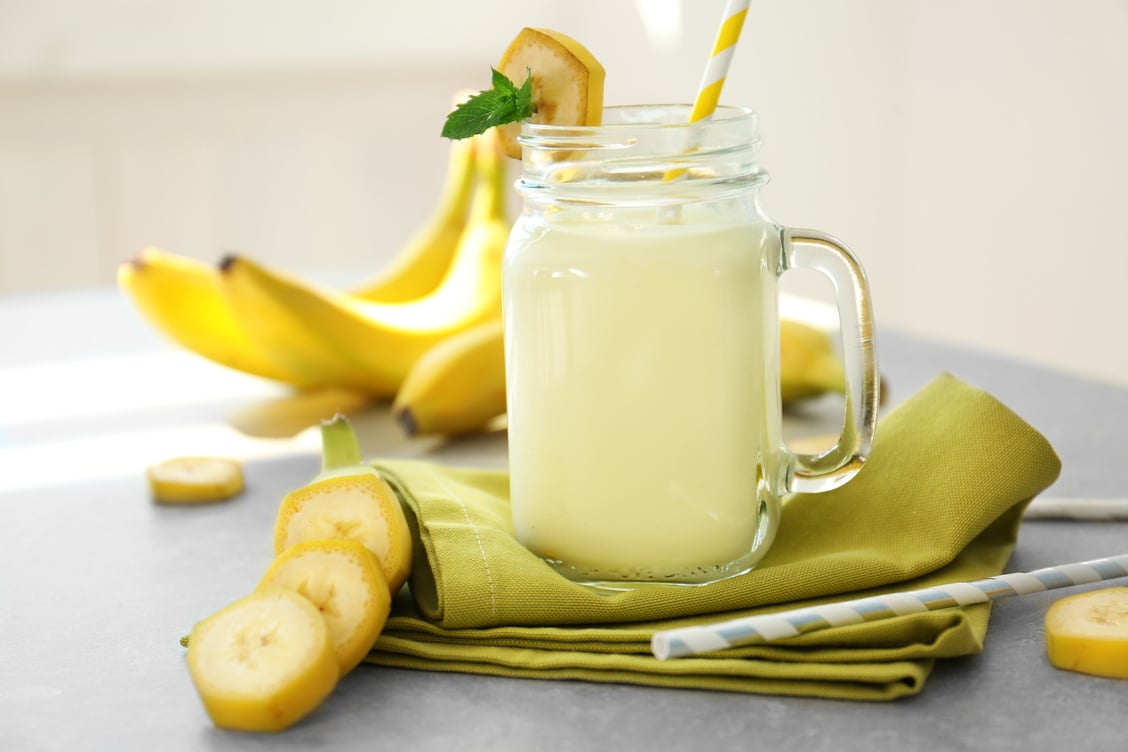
pixel 504 103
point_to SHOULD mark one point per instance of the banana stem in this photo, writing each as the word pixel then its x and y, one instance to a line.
pixel 339 447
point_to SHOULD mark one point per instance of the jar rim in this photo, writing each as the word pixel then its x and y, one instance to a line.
pixel 645 115
pixel 647 154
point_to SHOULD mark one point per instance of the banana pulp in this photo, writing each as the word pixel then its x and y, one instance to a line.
pixel 1088 633
pixel 344 581
pixel 567 81
pixel 348 500
pixel 188 480
pixel 263 662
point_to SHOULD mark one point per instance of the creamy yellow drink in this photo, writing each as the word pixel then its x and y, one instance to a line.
pixel 637 393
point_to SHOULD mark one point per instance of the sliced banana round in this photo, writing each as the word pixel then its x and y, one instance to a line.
pixel 263 662
pixel 1088 633
pixel 567 81
pixel 190 480
pixel 357 506
pixel 342 579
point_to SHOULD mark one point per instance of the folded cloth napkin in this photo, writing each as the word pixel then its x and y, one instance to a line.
pixel 939 501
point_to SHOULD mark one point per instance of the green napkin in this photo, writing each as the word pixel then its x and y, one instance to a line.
pixel 939 501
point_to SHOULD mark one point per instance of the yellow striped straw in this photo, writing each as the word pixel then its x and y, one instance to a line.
pixel 715 72
pixel 709 92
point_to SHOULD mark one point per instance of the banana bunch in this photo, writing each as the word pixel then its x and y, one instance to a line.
pixel 444 283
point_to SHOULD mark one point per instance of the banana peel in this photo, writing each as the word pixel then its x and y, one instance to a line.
pixel 456 387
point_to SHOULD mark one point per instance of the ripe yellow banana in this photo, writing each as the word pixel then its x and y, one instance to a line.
pixel 421 265
pixel 373 345
pixel 286 333
pixel 458 386
pixel 181 298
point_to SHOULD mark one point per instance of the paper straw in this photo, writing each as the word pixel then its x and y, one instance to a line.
pixel 709 93
pixel 676 643
pixel 713 80
pixel 1077 509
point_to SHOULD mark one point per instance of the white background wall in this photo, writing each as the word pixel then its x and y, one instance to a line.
pixel 973 152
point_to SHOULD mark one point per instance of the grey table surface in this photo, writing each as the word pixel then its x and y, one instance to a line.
pixel 97 583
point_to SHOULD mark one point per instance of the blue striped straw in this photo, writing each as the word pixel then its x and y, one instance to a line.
pixel 676 643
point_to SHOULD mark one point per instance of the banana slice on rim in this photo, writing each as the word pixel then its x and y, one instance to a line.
pixel 567 81
pixel 192 480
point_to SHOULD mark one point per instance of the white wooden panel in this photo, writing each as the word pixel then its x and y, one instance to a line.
pixel 165 197
pixel 48 223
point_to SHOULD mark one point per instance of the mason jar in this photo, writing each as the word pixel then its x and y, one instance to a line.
pixel 642 349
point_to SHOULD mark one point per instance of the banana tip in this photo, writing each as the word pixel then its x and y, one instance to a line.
pixel 407 421
pixel 227 261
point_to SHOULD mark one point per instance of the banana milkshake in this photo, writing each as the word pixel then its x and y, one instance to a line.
pixel 637 393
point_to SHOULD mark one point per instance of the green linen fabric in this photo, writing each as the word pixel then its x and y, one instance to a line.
pixel 940 500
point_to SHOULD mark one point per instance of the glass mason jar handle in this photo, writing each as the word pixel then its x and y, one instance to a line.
pixel 810 249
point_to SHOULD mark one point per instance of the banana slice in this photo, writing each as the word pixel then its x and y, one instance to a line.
pixel 263 662
pixel 567 81
pixel 1088 633
pixel 344 581
pixel 191 480
pixel 359 508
